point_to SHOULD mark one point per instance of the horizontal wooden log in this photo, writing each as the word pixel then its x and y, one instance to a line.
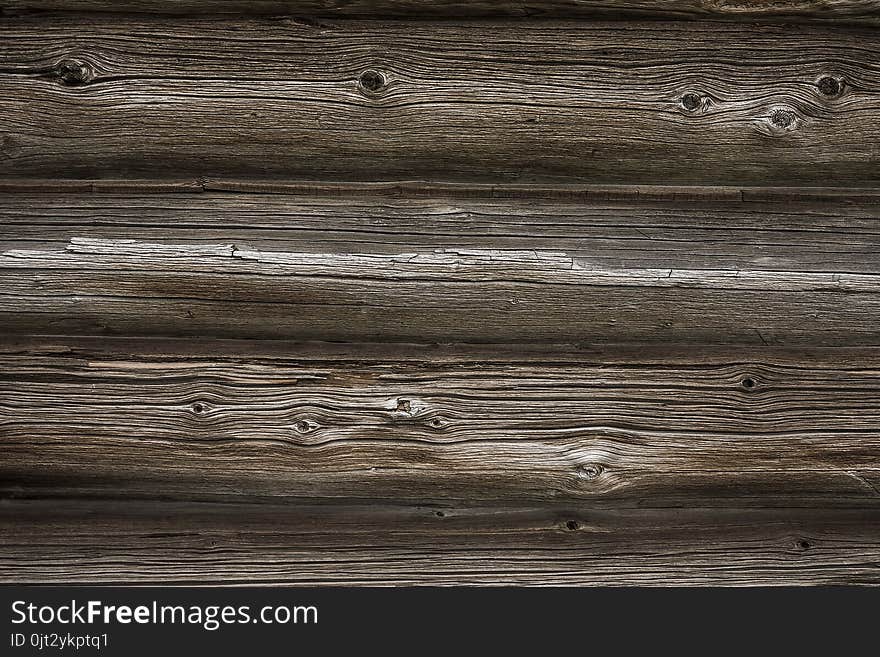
pixel 108 542
pixel 849 10
pixel 612 428
pixel 447 269
pixel 420 189
pixel 91 96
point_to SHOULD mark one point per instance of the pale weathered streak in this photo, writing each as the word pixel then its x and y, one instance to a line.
pixel 499 101
pixel 476 296
pixel 467 266
pixel 836 235
pixel 159 542
pixel 443 269
pixel 716 429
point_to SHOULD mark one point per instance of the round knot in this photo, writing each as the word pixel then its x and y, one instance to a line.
pixel 590 471
pixel 305 426
pixel 782 118
pixel 73 72
pixel 829 86
pixel 371 81
pixel 9 146
pixel 691 102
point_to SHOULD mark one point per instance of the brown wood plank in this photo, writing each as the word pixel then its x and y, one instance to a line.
pixel 566 192
pixel 90 96
pixel 608 428
pixel 848 10
pixel 107 542
pixel 448 269
pixel 635 229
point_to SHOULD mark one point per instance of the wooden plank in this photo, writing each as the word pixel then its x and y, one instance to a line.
pixel 155 543
pixel 612 428
pixel 848 10
pixel 441 269
pixel 91 96
pixel 837 236
pixel 571 193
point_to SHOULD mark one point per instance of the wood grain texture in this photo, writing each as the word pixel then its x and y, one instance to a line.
pixel 441 269
pixel 402 292
pixel 839 10
pixel 421 189
pixel 565 101
pixel 625 427
pixel 81 542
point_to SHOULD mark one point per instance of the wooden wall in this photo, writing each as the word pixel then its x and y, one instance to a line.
pixel 437 292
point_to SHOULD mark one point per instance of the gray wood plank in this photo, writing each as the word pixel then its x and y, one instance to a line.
pixel 847 10
pixel 626 427
pixel 451 269
pixel 107 542
pixel 567 101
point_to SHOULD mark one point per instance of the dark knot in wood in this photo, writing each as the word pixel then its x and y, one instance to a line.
pixel 691 102
pixel 371 81
pixel 782 118
pixel 304 426
pixel 829 86
pixel 73 72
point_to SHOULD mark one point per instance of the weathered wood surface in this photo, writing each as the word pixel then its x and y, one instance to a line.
pixel 840 10
pixel 421 189
pixel 303 299
pixel 573 101
pixel 626 427
pixel 81 542
pixel 441 269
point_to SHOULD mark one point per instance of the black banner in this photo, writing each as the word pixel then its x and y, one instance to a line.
pixel 269 621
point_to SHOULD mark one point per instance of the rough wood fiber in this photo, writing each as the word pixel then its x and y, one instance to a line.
pixel 79 542
pixel 841 10
pixel 575 101
pixel 626 427
pixel 441 269
pixel 540 189
pixel 420 189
